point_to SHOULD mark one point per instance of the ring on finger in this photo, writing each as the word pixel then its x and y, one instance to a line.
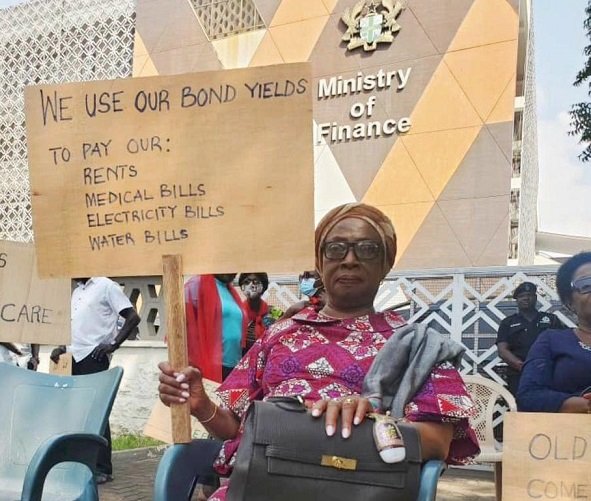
pixel 349 400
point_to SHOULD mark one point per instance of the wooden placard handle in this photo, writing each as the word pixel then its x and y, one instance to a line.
pixel 176 328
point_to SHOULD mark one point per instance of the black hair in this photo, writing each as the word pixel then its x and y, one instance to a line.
pixel 565 274
pixel 263 277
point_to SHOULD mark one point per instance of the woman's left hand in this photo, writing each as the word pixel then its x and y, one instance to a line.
pixel 352 410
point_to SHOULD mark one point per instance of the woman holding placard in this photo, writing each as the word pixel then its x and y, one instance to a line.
pixel 556 376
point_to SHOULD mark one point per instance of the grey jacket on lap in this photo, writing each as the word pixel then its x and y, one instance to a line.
pixel 404 364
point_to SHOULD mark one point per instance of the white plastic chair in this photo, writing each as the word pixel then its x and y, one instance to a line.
pixel 486 394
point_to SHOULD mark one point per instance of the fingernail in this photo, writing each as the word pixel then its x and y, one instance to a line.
pixel 356 421
pixel 346 432
pixel 184 386
pixel 182 400
pixel 315 412
pixel 185 394
pixel 330 430
pixel 180 378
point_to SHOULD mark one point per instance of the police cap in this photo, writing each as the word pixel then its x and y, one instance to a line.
pixel 524 287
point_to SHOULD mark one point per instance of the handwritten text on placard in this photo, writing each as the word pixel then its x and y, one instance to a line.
pixel 31 310
pixel 202 165
pixel 546 456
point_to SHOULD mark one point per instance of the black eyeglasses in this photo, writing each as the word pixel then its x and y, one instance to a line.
pixel 582 285
pixel 253 281
pixel 365 250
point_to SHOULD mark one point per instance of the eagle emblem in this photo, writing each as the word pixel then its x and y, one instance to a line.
pixel 370 22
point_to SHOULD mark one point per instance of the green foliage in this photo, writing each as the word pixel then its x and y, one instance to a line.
pixel 124 442
pixel 580 113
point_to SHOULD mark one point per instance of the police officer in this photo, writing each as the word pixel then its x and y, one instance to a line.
pixel 518 332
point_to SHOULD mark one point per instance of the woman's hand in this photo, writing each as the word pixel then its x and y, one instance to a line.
pixel 352 410
pixel 184 386
pixel 578 405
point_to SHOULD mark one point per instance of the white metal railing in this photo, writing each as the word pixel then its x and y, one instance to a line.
pixel 465 304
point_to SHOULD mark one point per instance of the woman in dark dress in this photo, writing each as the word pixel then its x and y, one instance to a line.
pixel 556 376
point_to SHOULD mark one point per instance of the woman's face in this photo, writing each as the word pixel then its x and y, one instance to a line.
pixel 252 287
pixel 352 282
pixel 581 303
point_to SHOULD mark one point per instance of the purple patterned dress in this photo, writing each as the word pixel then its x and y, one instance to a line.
pixel 319 357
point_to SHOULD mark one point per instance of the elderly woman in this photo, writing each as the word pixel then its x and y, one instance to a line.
pixel 556 376
pixel 324 355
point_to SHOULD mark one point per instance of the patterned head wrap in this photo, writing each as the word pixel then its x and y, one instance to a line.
pixel 372 216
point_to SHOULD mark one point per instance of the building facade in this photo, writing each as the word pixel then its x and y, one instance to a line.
pixel 420 124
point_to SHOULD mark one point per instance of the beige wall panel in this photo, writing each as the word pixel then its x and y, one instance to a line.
pixel 504 109
pixel 475 221
pixel 145 67
pixel 484 172
pixel 293 11
pixel 410 43
pixel 168 24
pixel 186 60
pixel 407 219
pixel 139 48
pixel 440 19
pixel 403 103
pixel 514 5
pixel 237 51
pixel 295 41
pixel 148 21
pixel 330 56
pixel 360 165
pixel 267 9
pixel 484 72
pixel 489 21
pixel 330 186
pixel 182 28
pixel 497 249
pixel 434 245
pixel 398 181
pixel 330 5
pixel 266 53
pixel 502 133
pixel 443 105
pixel 437 155
pixel 360 160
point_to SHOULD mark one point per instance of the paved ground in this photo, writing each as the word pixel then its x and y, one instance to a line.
pixel 134 476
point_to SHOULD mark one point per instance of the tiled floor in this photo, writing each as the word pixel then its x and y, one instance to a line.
pixel 134 477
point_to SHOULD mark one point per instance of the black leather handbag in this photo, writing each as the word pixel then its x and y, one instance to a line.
pixel 286 455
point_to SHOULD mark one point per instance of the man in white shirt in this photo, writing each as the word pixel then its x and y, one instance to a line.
pixel 97 303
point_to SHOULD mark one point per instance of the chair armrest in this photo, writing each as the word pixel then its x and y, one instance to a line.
pixel 430 473
pixel 76 447
pixel 181 466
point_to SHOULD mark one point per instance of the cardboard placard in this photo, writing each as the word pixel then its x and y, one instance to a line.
pixel 159 425
pixel 32 310
pixel 546 456
pixel 63 367
pixel 216 167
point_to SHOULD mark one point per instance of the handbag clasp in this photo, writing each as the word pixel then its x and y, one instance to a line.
pixel 338 462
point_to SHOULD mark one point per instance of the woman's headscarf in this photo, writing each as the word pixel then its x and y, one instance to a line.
pixel 374 217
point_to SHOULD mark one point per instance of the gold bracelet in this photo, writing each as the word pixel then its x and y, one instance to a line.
pixel 215 410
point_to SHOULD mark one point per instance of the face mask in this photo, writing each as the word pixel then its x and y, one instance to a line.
pixel 307 286
pixel 252 290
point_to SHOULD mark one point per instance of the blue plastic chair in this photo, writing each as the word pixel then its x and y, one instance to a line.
pixel 50 433
pixel 184 465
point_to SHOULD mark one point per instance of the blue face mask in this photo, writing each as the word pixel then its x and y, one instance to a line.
pixel 307 286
